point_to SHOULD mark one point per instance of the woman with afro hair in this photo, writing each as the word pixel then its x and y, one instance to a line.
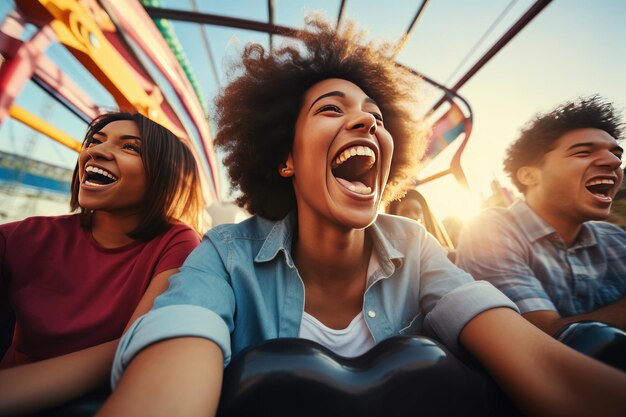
pixel 316 136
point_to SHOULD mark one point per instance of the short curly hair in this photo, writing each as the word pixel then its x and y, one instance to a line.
pixel 540 135
pixel 256 113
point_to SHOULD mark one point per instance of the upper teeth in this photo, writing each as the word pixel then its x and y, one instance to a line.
pixel 600 181
pixel 354 151
pixel 101 172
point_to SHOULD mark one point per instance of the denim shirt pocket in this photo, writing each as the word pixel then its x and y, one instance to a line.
pixel 413 326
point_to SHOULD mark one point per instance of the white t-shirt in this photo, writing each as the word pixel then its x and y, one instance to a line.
pixel 354 340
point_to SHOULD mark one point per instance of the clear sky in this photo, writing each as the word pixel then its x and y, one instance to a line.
pixel 573 48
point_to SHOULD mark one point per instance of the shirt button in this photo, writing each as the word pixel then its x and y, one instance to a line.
pixel 371 313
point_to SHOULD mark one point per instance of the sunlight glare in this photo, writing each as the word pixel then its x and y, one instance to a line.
pixel 446 198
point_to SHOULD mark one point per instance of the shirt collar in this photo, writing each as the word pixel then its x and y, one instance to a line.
pixel 535 228
pixel 280 238
pixel 389 257
pixel 585 238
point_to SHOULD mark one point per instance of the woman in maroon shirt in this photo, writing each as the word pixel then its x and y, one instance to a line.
pixel 74 282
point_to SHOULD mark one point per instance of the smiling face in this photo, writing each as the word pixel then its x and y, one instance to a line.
pixel 577 180
pixel 341 155
pixel 110 170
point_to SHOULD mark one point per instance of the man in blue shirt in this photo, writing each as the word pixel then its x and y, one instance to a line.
pixel 549 253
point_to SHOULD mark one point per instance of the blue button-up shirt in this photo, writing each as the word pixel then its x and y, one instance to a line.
pixel 241 287
pixel 522 255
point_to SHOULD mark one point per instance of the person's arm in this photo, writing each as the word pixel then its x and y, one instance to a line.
pixel 44 384
pixel 50 382
pixel 541 375
pixel 489 250
pixel 170 361
pixel 176 377
pixel 551 321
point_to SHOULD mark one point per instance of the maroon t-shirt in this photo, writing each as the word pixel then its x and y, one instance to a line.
pixel 67 292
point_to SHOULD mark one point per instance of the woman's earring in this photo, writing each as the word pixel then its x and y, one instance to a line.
pixel 286 172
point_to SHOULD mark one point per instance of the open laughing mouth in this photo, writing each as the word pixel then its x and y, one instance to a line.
pixel 353 168
pixel 601 187
pixel 98 177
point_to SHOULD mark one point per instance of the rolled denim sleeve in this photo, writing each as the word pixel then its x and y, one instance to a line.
pixel 167 323
pixel 458 307
pixel 199 303
pixel 451 297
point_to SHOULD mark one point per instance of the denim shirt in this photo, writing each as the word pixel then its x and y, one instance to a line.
pixel 241 287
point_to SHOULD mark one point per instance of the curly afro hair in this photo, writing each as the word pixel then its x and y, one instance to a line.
pixel 540 135
pixel 256 113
